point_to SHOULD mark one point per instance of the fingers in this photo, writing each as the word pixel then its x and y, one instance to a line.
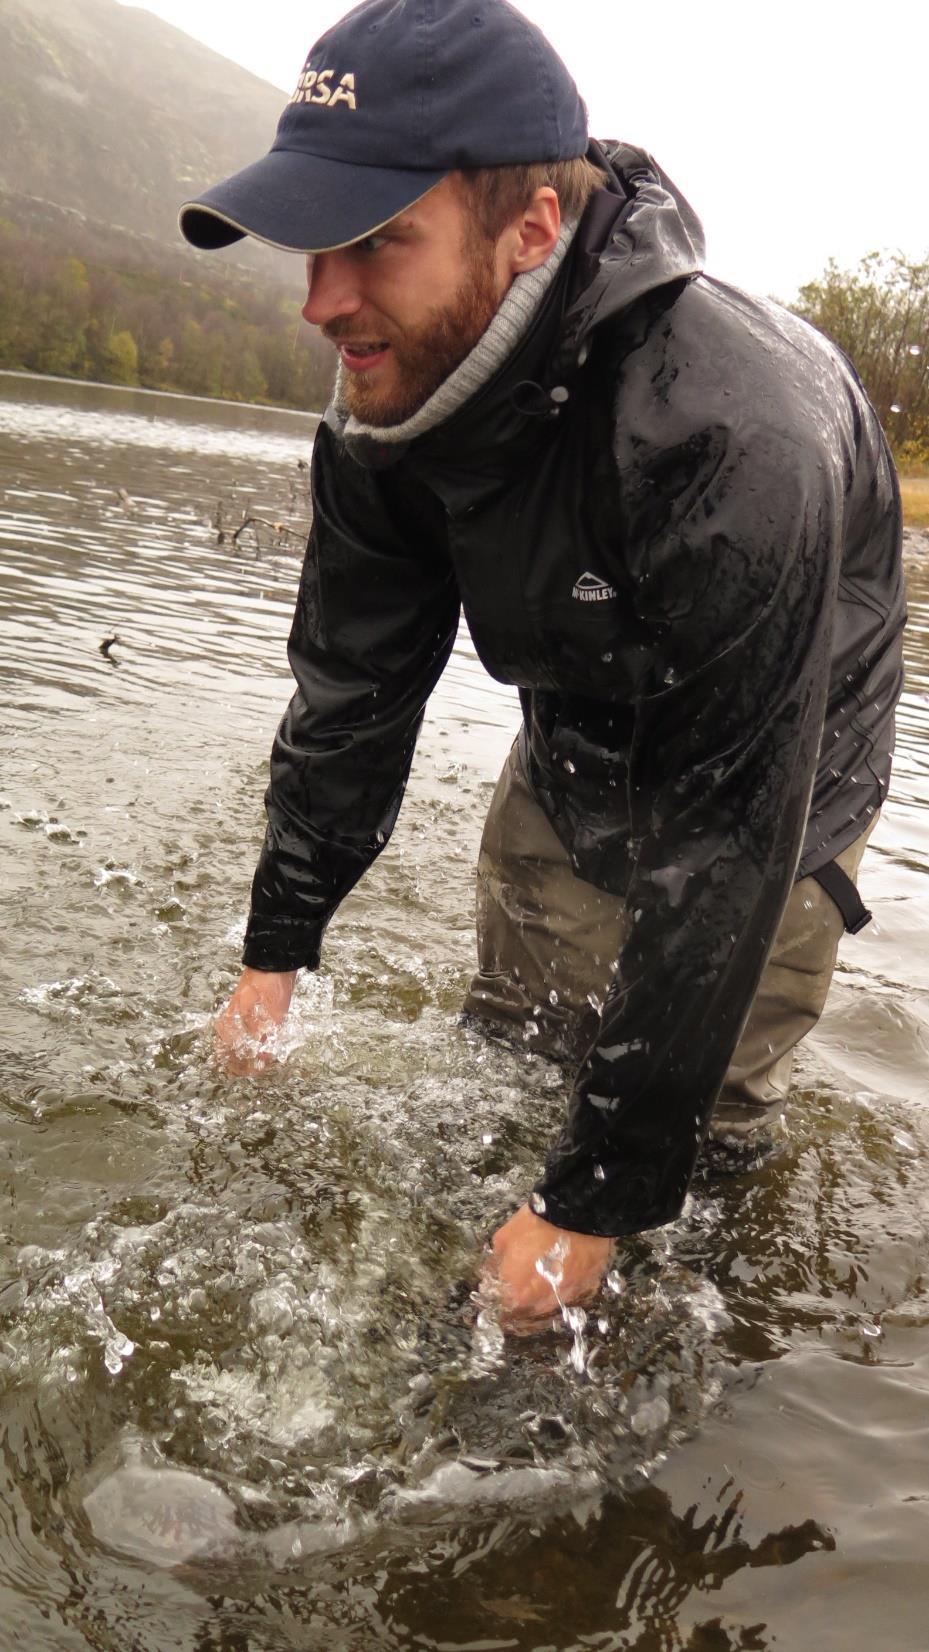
pixel 242 1037
pixel 525 1316
pixel 535 1269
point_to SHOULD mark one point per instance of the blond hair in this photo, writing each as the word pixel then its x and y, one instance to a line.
pixel 498 194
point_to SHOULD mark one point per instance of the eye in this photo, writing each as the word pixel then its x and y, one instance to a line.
pixel 372 243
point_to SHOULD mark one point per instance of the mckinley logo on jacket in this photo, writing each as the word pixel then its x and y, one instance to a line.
pixel 589 588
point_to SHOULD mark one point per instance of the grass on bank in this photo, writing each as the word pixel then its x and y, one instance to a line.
pixel 914 491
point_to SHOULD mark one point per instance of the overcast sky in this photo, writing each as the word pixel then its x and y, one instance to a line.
pixel 797 129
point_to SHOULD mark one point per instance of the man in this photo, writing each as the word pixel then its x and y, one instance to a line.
pixel 672 520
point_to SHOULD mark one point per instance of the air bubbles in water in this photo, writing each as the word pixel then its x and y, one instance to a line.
pixel 120 875
pixel 488 1342
pixel 163 1516
pixel 271 1312
pixel 652 1415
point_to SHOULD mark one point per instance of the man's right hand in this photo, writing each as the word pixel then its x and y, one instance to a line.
pixel 244 1029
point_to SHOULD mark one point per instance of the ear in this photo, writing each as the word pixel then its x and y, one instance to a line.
pixel 527 242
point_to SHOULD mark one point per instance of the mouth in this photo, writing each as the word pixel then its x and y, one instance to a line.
pixel 363 358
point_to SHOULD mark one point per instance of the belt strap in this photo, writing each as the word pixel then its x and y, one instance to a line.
pixel 839 887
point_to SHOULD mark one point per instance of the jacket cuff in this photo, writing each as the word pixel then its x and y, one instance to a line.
pixel 605 1200
pixel 282 944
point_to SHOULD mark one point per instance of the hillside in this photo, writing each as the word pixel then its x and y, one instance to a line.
pixel 109 119
pixel 115 117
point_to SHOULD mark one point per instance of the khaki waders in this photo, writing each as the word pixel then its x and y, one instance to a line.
pixel 548 944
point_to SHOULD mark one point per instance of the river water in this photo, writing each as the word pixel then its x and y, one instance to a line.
pixel 245 1401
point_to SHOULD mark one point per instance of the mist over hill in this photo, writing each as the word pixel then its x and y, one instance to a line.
pixel 115 117
pixel 109 120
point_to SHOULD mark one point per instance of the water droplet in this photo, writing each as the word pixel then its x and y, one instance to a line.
pixel 487 1138
pixel 869 1330
pixel 670 675
pixel 576 1321
pixel 553 996
pixel 902 1138
pixel 569 766
pixel 537 1203
pixel 615 1282
pixel 117 1350
pixel 595 1002
pixel 606 658
pixel 915 350
pixel 599 1173
pixel 895 407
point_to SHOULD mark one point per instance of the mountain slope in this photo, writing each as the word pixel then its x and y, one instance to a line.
pixel 113 117
pixel 109 120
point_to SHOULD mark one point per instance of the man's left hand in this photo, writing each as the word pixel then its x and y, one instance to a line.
pixel 533 1259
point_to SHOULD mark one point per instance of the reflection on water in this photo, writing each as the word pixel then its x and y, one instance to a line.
pixel 247 1402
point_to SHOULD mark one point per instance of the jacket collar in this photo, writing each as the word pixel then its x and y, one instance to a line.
pixel 638 236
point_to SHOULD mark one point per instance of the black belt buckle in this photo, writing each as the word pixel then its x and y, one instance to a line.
pixel 840 889
pixel 866 916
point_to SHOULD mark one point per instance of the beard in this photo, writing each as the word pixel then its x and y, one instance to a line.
pixel 424 356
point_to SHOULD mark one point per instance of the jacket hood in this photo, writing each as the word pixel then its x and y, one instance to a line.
pixel 637 236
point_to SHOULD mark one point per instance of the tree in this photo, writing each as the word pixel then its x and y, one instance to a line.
pixel 121 358
pixel 78 315
pixel 879 315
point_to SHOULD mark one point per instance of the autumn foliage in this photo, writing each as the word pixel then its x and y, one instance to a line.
pixel 879 315
pixel 141 325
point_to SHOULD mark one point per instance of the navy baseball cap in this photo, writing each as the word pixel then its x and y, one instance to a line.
pixel 390 100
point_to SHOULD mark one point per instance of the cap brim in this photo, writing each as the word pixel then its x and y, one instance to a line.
pixel 302 203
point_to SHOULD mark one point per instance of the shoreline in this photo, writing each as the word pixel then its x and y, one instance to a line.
pixel 915 544
pixel 171 395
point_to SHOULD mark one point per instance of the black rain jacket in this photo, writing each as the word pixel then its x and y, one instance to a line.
pixel 673 522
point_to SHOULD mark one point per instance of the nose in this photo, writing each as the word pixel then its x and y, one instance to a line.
pixel 331 288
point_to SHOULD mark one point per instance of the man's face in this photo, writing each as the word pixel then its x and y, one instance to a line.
pixel 406 304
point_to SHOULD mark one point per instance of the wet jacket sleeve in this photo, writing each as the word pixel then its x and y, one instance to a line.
pixel 733 525
pixel 375 621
